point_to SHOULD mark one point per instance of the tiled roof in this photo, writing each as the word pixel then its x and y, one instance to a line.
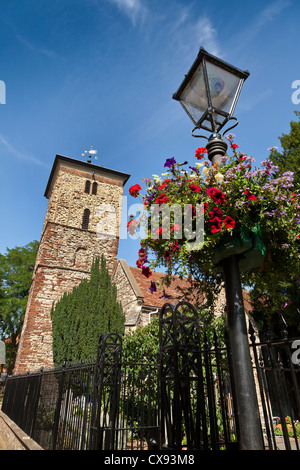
pixel 173 292
pixel 156 299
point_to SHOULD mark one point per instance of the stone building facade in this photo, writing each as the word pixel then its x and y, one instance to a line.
pixel 84 203
pixel 140 304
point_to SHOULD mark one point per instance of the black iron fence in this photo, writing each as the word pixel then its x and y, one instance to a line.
pixel 107 404
pixel 181 399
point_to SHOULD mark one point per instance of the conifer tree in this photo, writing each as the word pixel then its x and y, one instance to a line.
pixel 79 317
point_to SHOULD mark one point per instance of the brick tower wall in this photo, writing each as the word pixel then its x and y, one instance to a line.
pixel 66 250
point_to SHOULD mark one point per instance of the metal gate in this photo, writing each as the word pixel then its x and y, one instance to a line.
pixel 197 410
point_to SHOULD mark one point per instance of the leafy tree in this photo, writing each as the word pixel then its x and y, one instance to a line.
pixel 271 299
pixel 16 268
pixel 80 316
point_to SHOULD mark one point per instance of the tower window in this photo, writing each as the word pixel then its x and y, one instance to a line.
pixel 86 219
pixel 94 188
pixel 87 187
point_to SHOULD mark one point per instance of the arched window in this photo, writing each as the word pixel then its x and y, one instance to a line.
pixel 94 188
pixel 87 186
pixel 86 219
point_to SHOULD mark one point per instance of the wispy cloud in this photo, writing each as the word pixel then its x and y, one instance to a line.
pixel 134 9
pixel 262 19
pixel 20 155
pixel 35 48
pixel 272 11
pixel 207 36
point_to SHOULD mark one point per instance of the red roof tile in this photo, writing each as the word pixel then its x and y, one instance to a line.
pixel 156 299
pixel 174 291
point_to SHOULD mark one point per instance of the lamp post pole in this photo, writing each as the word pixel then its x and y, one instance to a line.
pixel 208 94
pixel 245 392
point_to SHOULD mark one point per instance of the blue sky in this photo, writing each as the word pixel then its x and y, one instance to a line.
pixel 102 73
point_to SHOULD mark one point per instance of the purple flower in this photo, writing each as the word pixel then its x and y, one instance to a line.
pixel 149 199
pixel 170 162
pixel 165 296
pixel 230 136
pixel 193 168
pixel 152 287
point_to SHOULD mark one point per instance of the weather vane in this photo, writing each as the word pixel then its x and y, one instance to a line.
pixel 91 153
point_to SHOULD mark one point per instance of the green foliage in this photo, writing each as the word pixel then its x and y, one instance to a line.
pixel 143 341
pixel 79 317
pixel 236 196
pixel 276 287
pixel 16 269
pixel 289 158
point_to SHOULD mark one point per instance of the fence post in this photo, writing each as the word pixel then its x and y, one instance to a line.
pixel 106 391
pixel 37 394
pixel 58 407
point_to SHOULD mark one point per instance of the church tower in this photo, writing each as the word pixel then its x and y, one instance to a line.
pixel 82 221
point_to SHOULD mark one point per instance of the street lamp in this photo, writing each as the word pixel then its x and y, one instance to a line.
pixel 209 94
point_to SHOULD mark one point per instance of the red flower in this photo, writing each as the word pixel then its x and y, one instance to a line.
pixel 216 225
pixel 162 199
pixel 160 230
pixel 229 222
pixel 194 188
pixel 146 271
pixel 175 226
pixel 234 146
pixel 176 246
pixel 131 226
pixel 200 152
pixel 167 255
pixel 134 190
pixel 161 186
pixel 250 196
pixel 215 213
pixel 217 196
pixel 142 255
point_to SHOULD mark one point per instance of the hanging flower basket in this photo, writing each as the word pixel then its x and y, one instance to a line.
pixel 245 210
pixel 248 244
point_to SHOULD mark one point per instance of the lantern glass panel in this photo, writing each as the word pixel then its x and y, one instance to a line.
pixel 194 96
pixel 223 86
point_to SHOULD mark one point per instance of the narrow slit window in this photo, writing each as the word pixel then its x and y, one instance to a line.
pixel 94 188
pixel 86 219
pixel 87 187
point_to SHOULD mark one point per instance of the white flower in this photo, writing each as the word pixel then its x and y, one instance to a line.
pixel 205 171
pixel 219 177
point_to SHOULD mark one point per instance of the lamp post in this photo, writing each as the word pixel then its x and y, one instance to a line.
pixel 209 93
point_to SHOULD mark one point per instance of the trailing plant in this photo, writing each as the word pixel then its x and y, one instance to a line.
pixel 254 209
